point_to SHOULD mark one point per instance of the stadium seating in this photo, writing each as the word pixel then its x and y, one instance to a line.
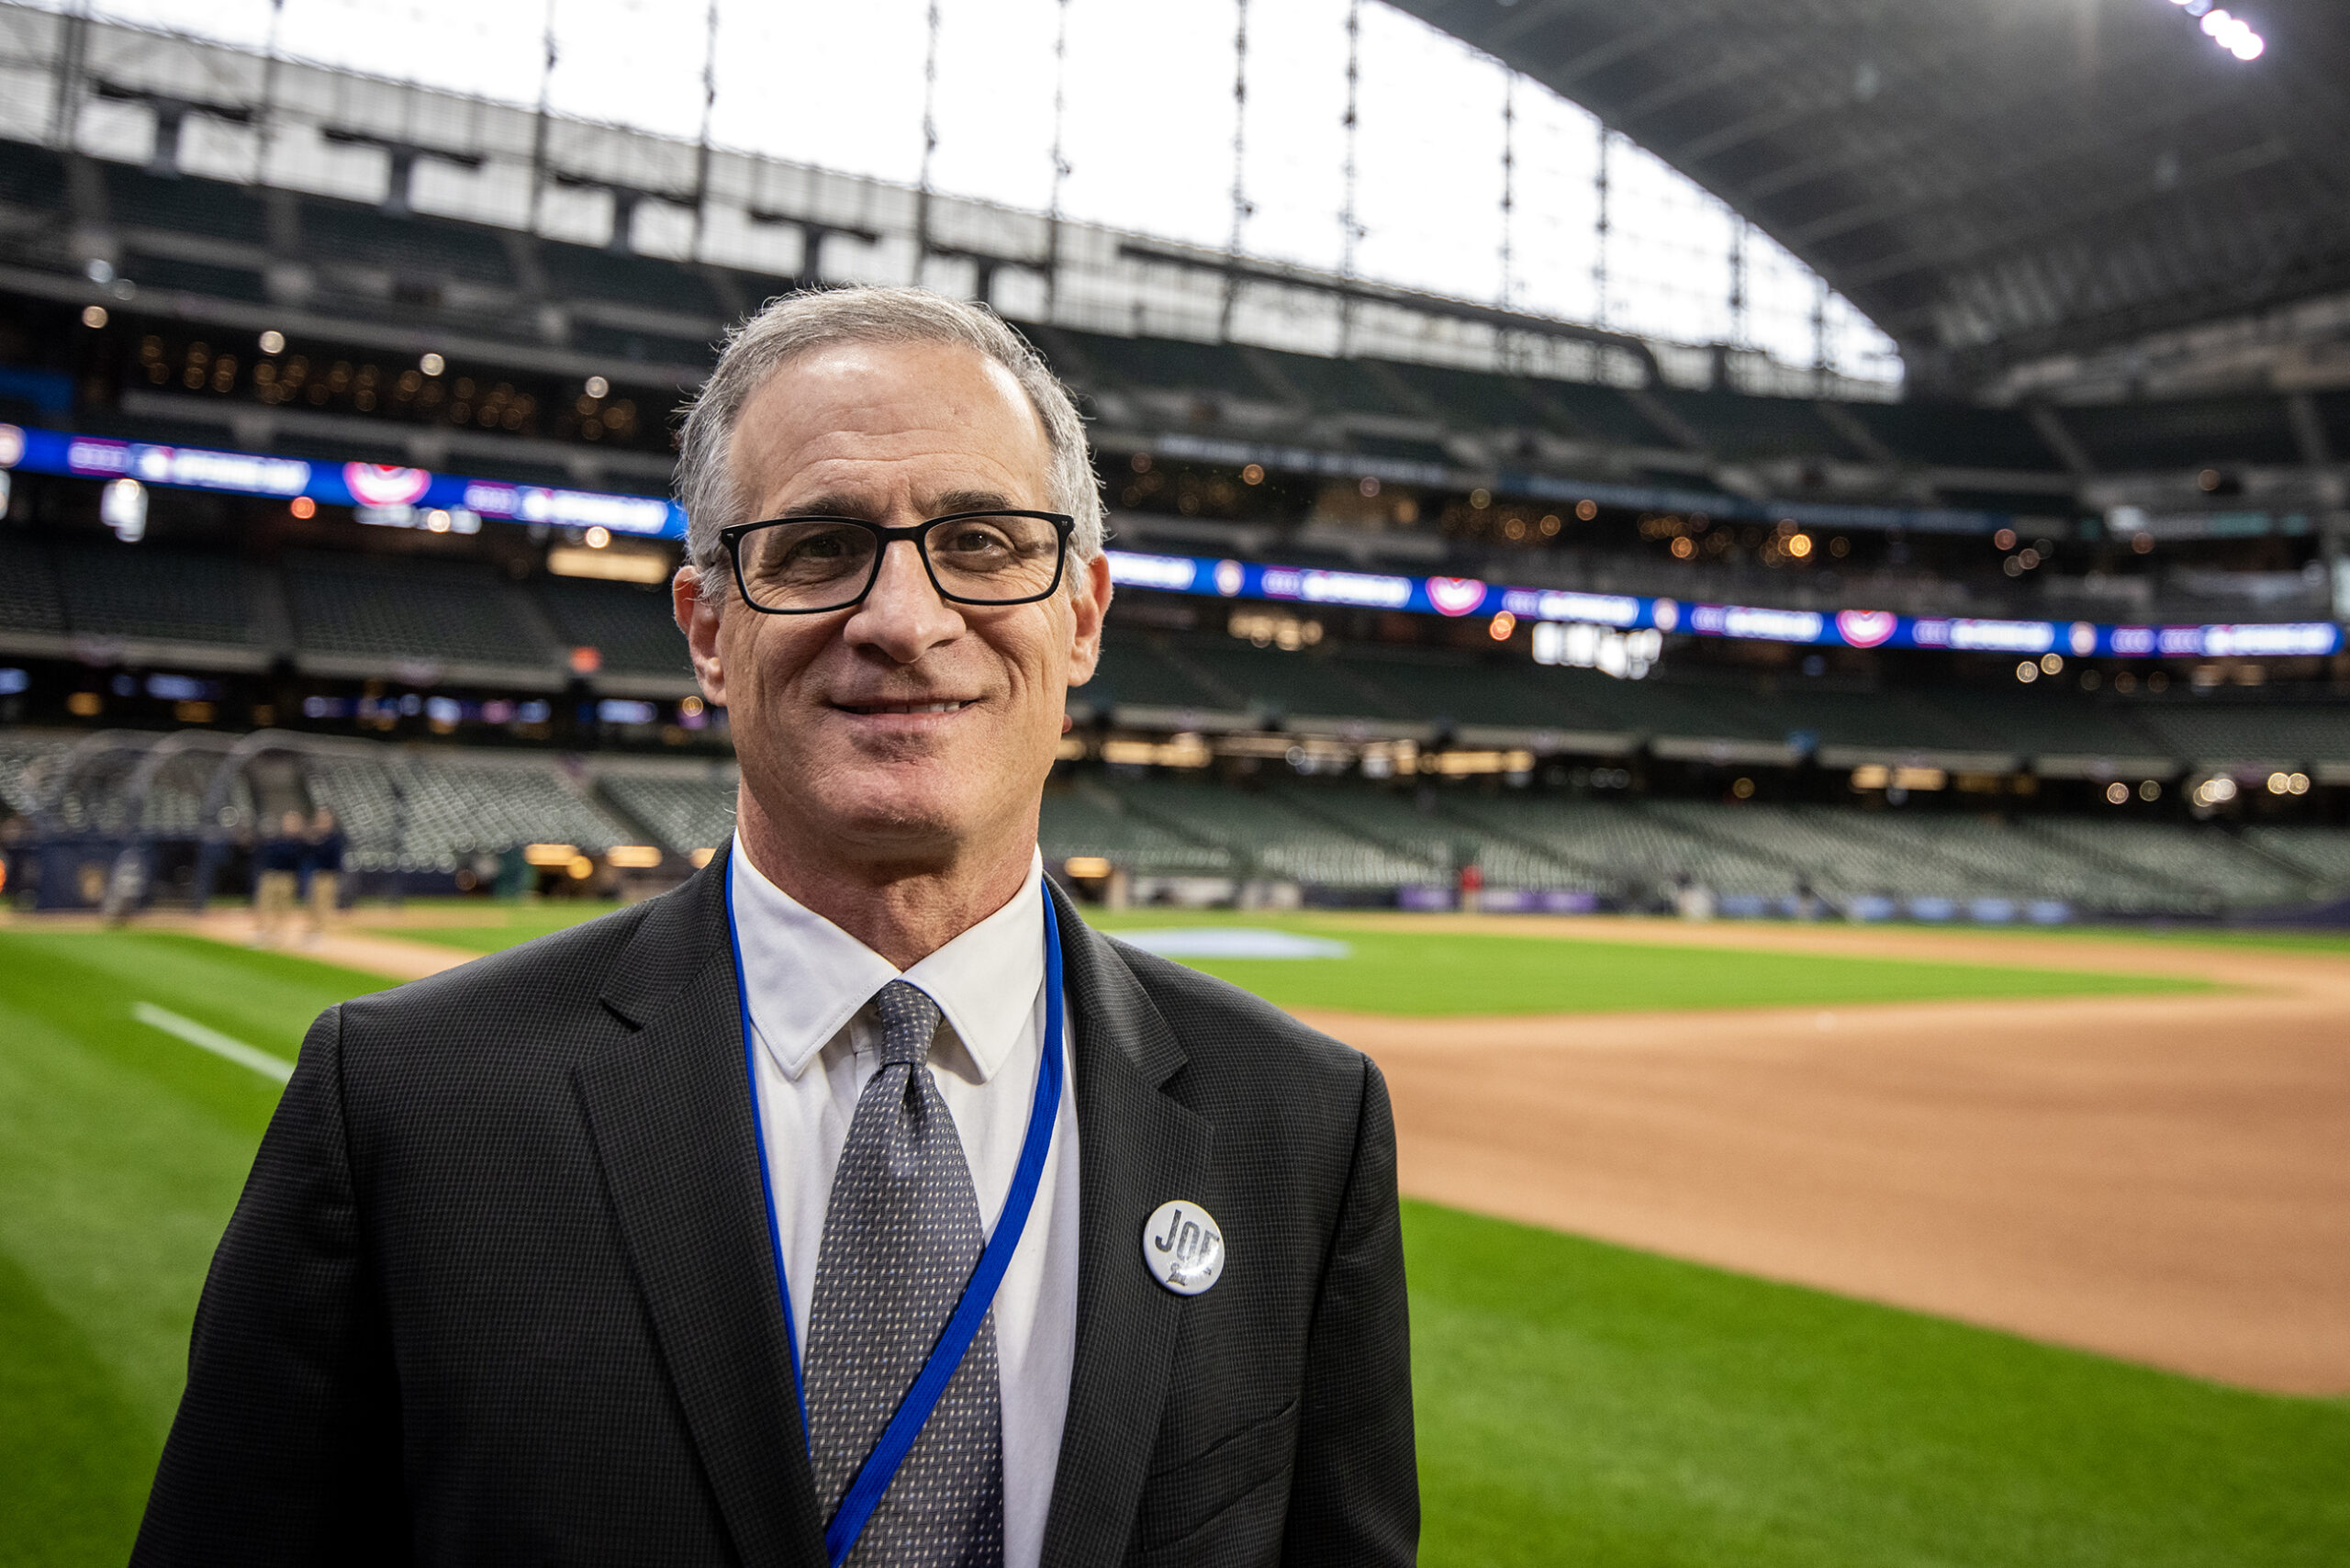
pixel 2294 733
pixel 155 594
pixel 1142 671
pixel 1957 434
pixel 29 601
pixel 2178 432
pixel 1336 386
pixel 417 612
pixel 1635 855
pixel 434 809
pixel 2040 721
pixel 630 627
pixel 2005 860
pixel 623 278
pixel 154 272
pixel 23 754
pixel 1473 400
pixel 1463 691
pixel 420 247
pixel 2214 869
pixel 138 199
pixel 1417 825
pixel 638 345
pixel 1743 430
pixel 1882 722
pixel 1171 365
pixel 1268 836
pixel 430 811
pixel 2320 855
pixel 1577 408
pixel 1084 819
pixel 684 811
pixel 1307 682
pixel 31 177
pixel 1817 848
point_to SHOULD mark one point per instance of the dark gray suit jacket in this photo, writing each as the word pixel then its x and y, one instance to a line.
pixel 498 1290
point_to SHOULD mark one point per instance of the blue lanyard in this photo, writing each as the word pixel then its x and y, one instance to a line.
pixel 898 1438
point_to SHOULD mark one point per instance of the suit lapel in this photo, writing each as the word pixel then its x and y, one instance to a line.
pixel 1136 1149
pixel 669 1111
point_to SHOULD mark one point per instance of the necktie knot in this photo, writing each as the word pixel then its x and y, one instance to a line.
pixel 908 1020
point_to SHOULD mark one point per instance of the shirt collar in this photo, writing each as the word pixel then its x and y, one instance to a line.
pixel 806 977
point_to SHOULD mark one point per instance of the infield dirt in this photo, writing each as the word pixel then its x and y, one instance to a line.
pixel 2165 1179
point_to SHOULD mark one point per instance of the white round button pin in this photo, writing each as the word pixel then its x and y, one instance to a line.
pixel 1184 1247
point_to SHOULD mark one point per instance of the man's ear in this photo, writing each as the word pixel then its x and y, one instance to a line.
pixel 1089 598
pixel 699 620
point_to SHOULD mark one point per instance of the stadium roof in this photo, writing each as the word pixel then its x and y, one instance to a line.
pixel 1992 181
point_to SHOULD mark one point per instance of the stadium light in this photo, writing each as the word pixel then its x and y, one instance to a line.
pixel 122 505
pixel 2231 32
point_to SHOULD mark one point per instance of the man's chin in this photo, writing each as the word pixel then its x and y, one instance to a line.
pixel 899 819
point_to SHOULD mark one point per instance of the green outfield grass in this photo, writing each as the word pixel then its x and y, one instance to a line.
pixel 1578 1403
pixel 1435 974
pixel 122 1150
pixel 1584 1403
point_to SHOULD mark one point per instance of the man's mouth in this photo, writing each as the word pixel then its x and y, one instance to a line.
pixel 869 710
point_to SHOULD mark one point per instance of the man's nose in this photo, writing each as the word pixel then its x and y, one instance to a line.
pixel 903 616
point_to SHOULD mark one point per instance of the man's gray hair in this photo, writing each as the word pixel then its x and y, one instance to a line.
pixel 802 323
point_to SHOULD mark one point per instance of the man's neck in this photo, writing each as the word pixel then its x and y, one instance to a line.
pixel 905 912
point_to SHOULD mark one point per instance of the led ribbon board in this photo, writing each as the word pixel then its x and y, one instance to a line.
pixel 654 516
pixel 1463 597
pixel 335 484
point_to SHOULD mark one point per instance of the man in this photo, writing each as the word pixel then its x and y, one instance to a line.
pixel 322 852
pixel 276 879
pixel 800 1203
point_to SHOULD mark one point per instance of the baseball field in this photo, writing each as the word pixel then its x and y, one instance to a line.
pixel 1728 1246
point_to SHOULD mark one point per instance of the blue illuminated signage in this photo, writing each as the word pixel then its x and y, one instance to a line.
pixel 374 486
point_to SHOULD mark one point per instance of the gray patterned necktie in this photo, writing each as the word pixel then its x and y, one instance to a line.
pixel 901 1236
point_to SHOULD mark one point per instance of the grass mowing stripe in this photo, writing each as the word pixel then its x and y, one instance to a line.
pixel 212 1041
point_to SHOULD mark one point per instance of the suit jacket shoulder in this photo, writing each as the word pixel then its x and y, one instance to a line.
pixel 1226 1030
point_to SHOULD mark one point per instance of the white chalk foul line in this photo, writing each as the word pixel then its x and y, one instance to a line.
pixel 212 1041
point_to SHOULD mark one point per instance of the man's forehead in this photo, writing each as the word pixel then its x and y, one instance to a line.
pixel 939 418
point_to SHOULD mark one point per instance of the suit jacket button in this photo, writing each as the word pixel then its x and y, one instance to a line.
pixel 1184 1247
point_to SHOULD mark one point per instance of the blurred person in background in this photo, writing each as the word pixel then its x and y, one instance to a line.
pixel 322 866
pixel 277 878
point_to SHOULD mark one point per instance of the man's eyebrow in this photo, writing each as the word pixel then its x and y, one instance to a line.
pixel 946 505
pixel 828 506
pixel 954 501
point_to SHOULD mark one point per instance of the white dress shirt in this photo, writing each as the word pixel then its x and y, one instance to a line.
pixel 809 984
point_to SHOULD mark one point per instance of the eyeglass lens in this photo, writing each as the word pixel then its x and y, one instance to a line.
pixel 824 563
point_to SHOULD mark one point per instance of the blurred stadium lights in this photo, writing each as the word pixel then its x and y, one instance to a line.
pixel 2231 32
pixel 122 505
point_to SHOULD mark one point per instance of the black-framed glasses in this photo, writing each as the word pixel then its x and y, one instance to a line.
pixel 805 565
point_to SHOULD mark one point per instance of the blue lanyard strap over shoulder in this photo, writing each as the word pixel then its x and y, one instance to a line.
pixel 897 1439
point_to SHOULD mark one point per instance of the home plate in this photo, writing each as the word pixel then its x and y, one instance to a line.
pixel 1232 942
